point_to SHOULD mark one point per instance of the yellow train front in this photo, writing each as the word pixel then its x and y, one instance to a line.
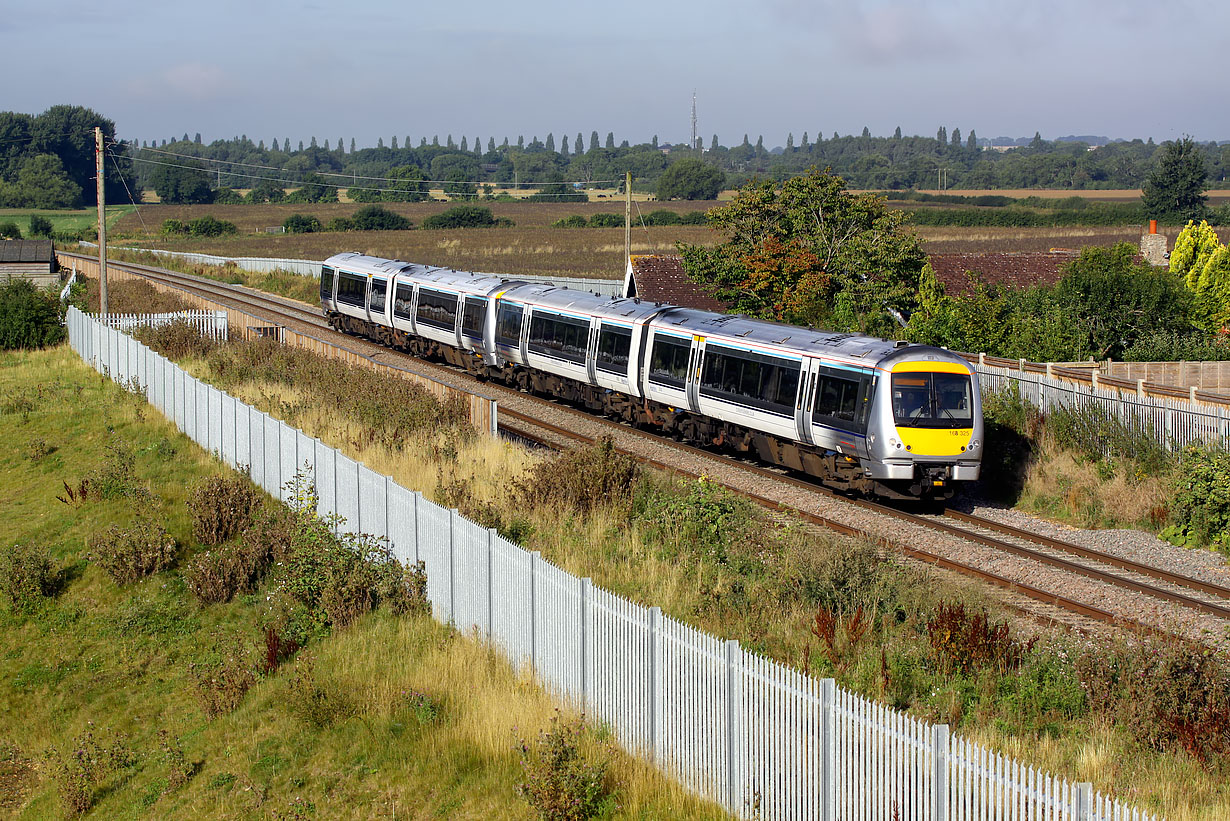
pixel 927 432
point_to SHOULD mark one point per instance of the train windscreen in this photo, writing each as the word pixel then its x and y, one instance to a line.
pixel 933 400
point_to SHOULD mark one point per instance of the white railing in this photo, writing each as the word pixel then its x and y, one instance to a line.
pixel 209 324
pixel 763 740
pixel 1173 422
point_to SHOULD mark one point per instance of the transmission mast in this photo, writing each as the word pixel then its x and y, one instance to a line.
pixel 693 143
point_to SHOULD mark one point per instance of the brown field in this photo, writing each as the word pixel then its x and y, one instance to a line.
pixel 533 246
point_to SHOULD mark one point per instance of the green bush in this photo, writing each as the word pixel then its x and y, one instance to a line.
pixel 1176 347
pixel 301 224
pixel 662 217
pixel 461 216
pixel 379 218
pixel 340 224
pixel 174 227
pixel 40 226
pixel 9 230
pixel 29 318
pixel 605 220
pixel 209 226
pixel 26 575
pixel 221 507
pixel 227 196
pixel 558 780
pixel 131 553
pixel 570 221
pixel 1200 508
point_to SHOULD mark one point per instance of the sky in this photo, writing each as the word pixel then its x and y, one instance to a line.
pixel 368 69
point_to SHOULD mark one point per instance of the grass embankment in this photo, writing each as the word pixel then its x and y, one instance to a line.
pixel 1150 723
pixel 100 701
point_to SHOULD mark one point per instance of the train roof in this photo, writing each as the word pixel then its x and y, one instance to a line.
pixel 573 299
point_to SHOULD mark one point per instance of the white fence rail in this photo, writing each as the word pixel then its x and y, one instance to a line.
pixel 1174 423
pixel 209 324
pixel 751 734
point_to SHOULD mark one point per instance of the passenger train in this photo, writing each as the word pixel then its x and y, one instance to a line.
pixel 871 415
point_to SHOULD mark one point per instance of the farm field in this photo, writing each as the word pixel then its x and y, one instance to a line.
pixel 66 221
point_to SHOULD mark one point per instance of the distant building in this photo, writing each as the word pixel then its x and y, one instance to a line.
pixel 34 260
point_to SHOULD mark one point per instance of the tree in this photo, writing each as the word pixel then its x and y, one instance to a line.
pixel 301 224
pixel 313 188
pixel 593 141
pixel 972 143
pixel 185 182
pixel 379 218
pixel 956 136
pixel 610 139
pixel 41 182
pixel 563 148
pixel 897 133
pixel 808 251
pixel 1174 191
pixel 942 135
pixel 29 318
pixel 266 191
pixel 866 132
pixel 690 179
pixel 551 141
pixel 40 226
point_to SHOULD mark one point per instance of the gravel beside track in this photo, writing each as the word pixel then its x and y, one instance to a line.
pixel 1128 605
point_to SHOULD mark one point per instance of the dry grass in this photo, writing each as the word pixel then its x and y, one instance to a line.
pixel 1061 485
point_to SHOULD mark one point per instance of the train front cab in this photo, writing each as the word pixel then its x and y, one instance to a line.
pixel 933 421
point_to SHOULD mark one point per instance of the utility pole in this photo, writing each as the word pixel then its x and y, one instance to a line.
pixel 628 218
pixel 102 225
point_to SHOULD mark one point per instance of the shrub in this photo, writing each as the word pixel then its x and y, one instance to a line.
pixel 604 220
pixel 1200 508
pixel 221 507
pixel 134 552
pixel 29 318
pixel 9 230
pixel 704 518
pixel 26 575
pixel 558 780
pixel 301 224
pixel 340 224
pixel 40 226
pixel 1174 347
pixel 570 221
pixel 179 339
pixel 174 227
pixel 227 196
pixel 179 769
pixel 379 218
pixel 224 679
pixel 582 479
pixel 114 478
pixel 1098 433
pixel 662 217
pixel 209 226
pixel 460 216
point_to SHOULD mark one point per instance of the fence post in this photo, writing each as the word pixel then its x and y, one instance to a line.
pixel 655 682
pixel 734 727
pixel 452 565
pixel 586 640
pixel 1021 365
pixel 939 774
pixel 1050 370
pixel 828 693
pixel 1084 802
pixel 535 558
pixel 1191 394
pixel 491 534
pixel 1140 388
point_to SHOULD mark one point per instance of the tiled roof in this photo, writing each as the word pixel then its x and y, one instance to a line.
pixel 661 278
pixel 26 250
pixel 1016 269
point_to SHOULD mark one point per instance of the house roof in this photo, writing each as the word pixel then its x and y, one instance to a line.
pixel 26 250
pixel 661 278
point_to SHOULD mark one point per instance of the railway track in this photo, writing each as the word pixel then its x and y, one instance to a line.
pixel 1156 583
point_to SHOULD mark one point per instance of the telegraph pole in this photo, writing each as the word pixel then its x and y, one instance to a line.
pixel 628 218
pixel 102 225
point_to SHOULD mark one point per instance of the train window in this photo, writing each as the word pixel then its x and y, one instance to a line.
pixel 563 337
pixel 352 289
pixel 508 325
pixel 838 400
pixel 472 317
pixel 403 301
pixel 669 363
pixel 614 345
pixel 326 282
pixel 375 302
pixel 757 380
pixel 437 309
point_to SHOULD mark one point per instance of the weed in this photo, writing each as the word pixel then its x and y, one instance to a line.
pixel 1100 434
pixel 179 769
pixel 175 340
pixel 39 449
pixel 1200 507
pixel 26 576
pixel 221 781
pixel 277 650
pixel 424 709
pixel 581 479
pixel 114 477
pixel 558 780
pixel 221 507
pixel 134 552
pixel 314 701
pixel 223 681
pixel 963 642
pixel 81 770
pixel 21 404
pixel 218 575
pixel 704 518
pixel 76 497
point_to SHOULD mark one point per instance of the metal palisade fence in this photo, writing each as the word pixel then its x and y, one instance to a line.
pixel 761 739
pixel 1174 422
pixel 209 324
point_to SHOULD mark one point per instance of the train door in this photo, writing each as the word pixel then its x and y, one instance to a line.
pixel 803 403
pixel 591 356
pixel 695 358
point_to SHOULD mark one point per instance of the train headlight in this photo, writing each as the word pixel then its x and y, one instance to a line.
pixel 974 444
pixel 894 443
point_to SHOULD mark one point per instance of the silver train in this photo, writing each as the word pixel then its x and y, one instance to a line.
pixel 860 413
